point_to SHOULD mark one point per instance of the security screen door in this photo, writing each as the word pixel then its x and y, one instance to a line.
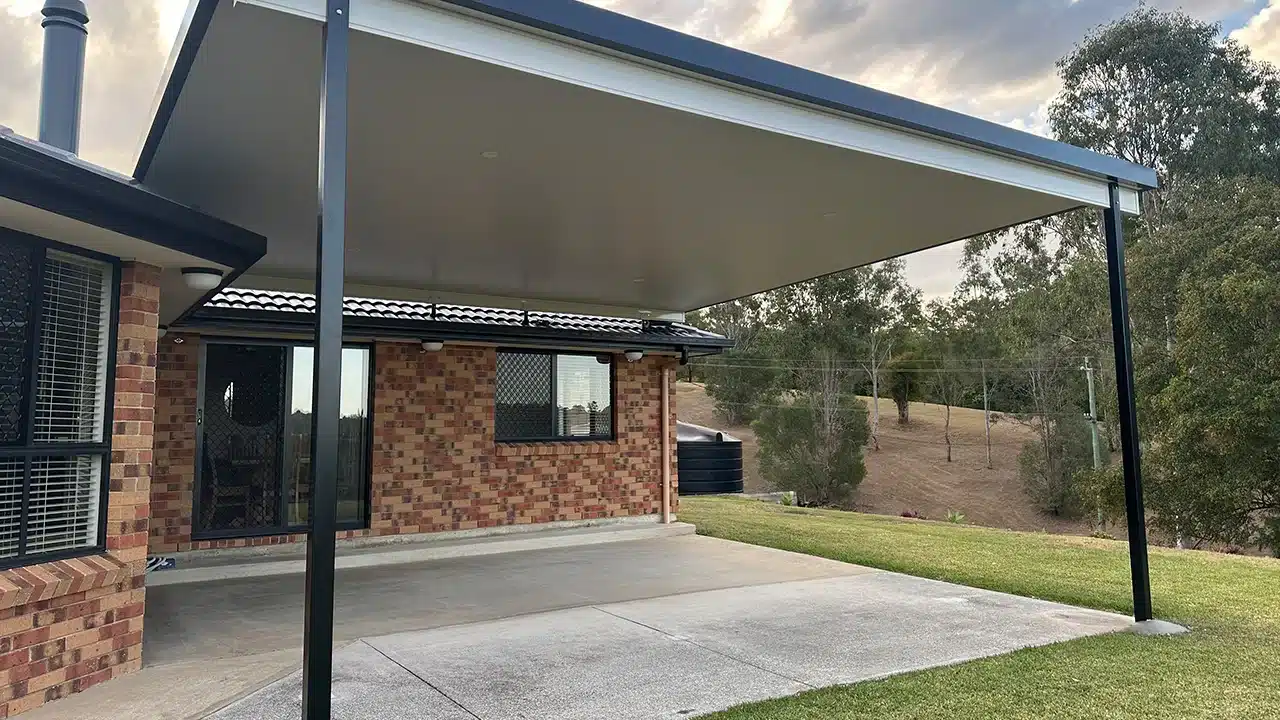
pixel 240 421
pixel 254 439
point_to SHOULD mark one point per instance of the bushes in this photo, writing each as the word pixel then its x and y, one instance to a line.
pixel 738 382
pixel 814 449
pixel 1102 493
pixel 1049 464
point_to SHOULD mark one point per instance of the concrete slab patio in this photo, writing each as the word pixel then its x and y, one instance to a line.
pixel 673 657
pixel 655 628
pixel 209 642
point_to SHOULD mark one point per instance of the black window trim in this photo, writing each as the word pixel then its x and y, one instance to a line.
pixel 31 449
pixel 287 528
pixel 575 439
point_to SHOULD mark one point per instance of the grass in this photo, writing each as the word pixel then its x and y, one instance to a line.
pixel 1228 667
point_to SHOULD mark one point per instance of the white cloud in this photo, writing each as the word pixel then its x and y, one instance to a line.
pixel 1262 33
pixel 127 46
pixel 22 8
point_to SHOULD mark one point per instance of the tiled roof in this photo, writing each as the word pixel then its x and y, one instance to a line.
pixel 238 299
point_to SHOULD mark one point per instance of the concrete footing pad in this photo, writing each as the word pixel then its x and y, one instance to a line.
pixel 1157 628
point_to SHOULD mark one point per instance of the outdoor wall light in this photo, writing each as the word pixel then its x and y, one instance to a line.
pixel 198 278
pixel 432 346
pixel 633 355
pixel 162 331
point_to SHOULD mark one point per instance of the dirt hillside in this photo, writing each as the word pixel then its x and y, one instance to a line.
pixel 910 471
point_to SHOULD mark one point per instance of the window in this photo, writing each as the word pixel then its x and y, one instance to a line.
pixel 55 340
pixel 545 396
pixel 255 440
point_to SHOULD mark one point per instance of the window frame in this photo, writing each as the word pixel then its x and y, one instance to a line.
pixel 31 449
pixel 286 527
pixel 613 397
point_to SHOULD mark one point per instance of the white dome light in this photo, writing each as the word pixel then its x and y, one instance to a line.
pixel 201 278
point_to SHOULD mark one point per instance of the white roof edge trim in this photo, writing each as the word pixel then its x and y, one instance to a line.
pixel 250 281
pixel 487 40
pixel 166 77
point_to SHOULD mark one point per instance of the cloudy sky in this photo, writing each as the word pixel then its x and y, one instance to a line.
pixel 989 58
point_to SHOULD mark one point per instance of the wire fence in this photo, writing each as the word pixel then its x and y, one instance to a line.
pixel 930 367
pixel 995 414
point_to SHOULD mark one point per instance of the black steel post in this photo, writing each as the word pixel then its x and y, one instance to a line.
pixel 1136 515
pixel 317 643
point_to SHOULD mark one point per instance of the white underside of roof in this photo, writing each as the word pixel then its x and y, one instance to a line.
pixel 618 186
pixel 432 26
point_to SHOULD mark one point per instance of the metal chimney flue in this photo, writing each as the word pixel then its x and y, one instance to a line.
pixel 63 75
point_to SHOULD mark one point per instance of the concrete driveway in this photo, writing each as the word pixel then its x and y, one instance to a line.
pixel 663 628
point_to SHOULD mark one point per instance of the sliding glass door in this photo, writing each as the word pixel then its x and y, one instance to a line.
pixel 254 440
pixel 353 439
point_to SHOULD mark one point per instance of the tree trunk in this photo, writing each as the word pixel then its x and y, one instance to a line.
pixel 947 431
pixel 904 410
pixel 875 408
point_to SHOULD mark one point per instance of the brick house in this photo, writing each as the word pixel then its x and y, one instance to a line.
pixel 85 256
pixel 454 418
pixel 545 188
pixel 118 438
pixel 142 412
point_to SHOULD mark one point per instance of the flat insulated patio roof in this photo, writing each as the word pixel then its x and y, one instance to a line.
pixel 558 156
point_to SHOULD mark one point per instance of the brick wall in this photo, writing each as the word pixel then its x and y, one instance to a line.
pixel 177 375
pixel 67 625
pixel 436 465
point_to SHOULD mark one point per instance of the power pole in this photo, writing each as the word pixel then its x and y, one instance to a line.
pixel 986 411
pixel 1093 416
pixel 1093 428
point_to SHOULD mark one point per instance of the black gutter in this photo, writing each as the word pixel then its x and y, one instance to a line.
pixel 63 184
pixel 230 320
pixel 626 35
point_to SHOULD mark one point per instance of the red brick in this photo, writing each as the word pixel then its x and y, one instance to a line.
pixel 46 607
pixel 15 658
pixel 436 465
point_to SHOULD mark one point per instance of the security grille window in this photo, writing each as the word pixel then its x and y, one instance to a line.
pixel 545 396
pixel 55 338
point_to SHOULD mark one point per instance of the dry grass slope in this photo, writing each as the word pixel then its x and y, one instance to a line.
pixel 910 472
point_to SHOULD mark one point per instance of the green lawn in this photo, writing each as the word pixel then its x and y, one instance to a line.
pixel 1228 667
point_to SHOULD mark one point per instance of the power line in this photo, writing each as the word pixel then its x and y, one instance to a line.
pixel 1010 358
pixel 918 402
pixel 886 370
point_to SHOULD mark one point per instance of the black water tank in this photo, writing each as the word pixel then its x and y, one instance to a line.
pixel 709 461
